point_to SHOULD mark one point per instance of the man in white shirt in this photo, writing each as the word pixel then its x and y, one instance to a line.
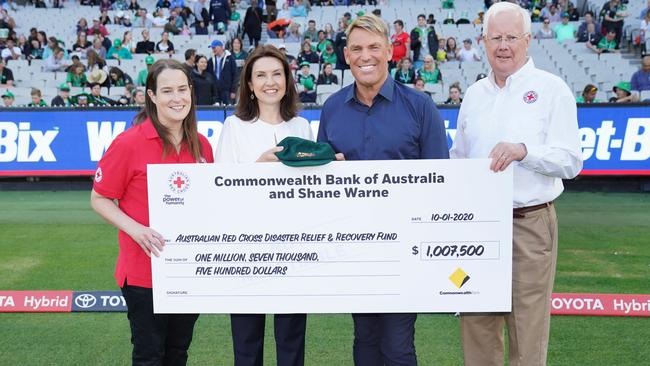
pixel 468 53
pixel 526 117
pixel 11 51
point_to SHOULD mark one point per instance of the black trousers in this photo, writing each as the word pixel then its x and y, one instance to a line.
pixel 384 339
pixel 254 40
pixel 248 339
pixel 158 339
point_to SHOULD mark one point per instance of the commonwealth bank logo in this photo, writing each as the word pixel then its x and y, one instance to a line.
pixel 459 278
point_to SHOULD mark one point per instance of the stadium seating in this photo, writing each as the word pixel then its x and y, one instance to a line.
pixel 572 61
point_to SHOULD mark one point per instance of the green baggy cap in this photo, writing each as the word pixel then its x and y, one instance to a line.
pixel 300 152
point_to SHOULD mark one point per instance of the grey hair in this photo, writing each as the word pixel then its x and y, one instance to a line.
pixel 502 7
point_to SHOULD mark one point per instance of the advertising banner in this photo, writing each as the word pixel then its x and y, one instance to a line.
pixel 63 142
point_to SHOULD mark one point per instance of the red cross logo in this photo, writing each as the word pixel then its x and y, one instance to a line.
pixel 179 182
pixel 530 97
pixel 98 175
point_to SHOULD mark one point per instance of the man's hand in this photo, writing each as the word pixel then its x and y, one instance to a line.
pixel 505 153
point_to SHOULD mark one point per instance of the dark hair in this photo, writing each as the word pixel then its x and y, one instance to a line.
pixel 247 108
pixel 590 13
pixel 117 71
pixel 588 89
pixel 422 16
pixel 190 53
pixel 190 134
pixel 398 21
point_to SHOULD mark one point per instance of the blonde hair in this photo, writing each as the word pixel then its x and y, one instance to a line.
pixel 370 23
pixel 502 7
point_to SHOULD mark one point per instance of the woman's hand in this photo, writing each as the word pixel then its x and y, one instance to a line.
pixel 269 155
pixel 340 157
pixel 148 239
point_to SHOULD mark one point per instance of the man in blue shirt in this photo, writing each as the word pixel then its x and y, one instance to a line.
pixel 378 119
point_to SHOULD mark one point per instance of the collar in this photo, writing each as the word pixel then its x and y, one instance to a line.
pixel 149 130
pixel 522 72
pixel 386 90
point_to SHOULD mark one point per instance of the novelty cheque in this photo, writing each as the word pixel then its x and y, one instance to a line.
pixel 353 236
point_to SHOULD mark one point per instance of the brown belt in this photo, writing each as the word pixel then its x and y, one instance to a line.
pixel 521 212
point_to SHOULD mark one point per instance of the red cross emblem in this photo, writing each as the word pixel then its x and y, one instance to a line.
pixel 179 182
pixel 530 97
pixel 98 175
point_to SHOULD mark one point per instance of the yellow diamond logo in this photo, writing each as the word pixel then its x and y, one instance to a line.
pixel 459 278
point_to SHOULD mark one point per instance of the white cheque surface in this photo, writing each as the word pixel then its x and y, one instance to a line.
pixel 357 236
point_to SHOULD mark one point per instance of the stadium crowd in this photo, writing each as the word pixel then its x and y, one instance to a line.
pixel 418 53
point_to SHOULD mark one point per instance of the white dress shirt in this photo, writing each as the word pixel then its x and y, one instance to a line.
pixel 244 141
pixel 535 108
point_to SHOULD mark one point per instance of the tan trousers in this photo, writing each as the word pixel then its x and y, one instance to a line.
pixel 534 256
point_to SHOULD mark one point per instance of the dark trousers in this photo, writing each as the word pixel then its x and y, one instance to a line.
pixel 248 339
pixel 254 40
pixel 158 339
pixel 384 339
pixel 223 96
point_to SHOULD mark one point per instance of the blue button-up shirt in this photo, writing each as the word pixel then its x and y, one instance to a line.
pixel 402 123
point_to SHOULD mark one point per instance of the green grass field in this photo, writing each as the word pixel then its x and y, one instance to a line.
pixel 53 241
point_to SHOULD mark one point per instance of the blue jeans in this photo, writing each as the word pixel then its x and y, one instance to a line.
pixel 384 339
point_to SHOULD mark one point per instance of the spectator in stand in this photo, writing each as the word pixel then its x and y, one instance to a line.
pixel 52 43
pixel 306 83
pixel 6 75
pixel 205 85
pixel 97 26
pixel 429 72
pixel 158 20
pixel 76 61
pixel 56 62
pixel 118 52
pixel 252 26
pixel 82 43
pixel 645 32
pixel 311 32
pixel 142 75
pixel 588 95
pixel 201 17
pixel 141 19
pixel 322 41
pixel 641 78
pixel 139 97
pixel 424 41
pixel 98 76
pixel 104 18
pixel 307 55
pixel 76 77
pixel 165 45
pixel 80 100
pixel 104 4
pixel 63 99
pixel 219 13
pixel 240 56
pixel 293 35
pixel 401 43
pixel 95 61
pixel 37 99
pixel 574 15
pixel 451 49
pixel 328 55
pixel 11 51
pixel 623 91
pixel 591 36
pixel 117 77
pixel 82 25
pixel 298 10
pixel 222 64
pixel 441 54
pixel 163 4
pixel 293 63
pixel 565 30
pixel 128 42
pixel 468 53
pixel 454 95
pixel 583 31
pixel 404 72
pixel 96 99
pixel 105 42
pixel 645 11
pixel 145 46
pixel 545 32
pixel 171 26
pixel 34 51
pixel 606 44
pixel 329 31
pixel 479 18
pixel 190 60
pixel 613 16
pixel 284 12
pixel 340 41
pixel 327 77
pixel 8 99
